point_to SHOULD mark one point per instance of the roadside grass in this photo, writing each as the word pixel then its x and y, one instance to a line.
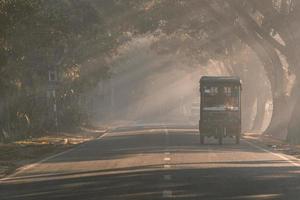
pixel 19 153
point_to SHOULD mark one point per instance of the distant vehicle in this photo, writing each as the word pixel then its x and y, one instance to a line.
pixel 220 107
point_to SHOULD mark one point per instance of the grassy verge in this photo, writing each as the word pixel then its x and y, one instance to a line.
pixel 19 153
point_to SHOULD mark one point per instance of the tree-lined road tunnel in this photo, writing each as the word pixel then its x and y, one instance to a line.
pixel 67 65
pixel 249 39
pixel 126 46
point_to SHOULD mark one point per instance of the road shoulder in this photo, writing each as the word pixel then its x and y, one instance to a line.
pixel 21 155
pixel 279 148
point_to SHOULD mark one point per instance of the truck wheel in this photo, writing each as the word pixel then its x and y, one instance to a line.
pixel 201 139
pixel 220 134
pixel 237 139
pixel 220 139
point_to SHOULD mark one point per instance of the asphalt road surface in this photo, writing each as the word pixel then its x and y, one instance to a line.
pixel 158 164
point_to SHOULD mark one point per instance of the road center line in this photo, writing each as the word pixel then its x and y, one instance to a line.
pixel 167 166
pixel 273 153
pixel 167 177
pixel 167 137
pixel 167 193
pixel 167 159
pixel 167 141
pixel 167 131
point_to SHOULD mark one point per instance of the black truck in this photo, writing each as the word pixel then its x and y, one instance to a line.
pixel 220 108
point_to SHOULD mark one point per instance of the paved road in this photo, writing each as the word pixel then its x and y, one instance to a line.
pixel 158 164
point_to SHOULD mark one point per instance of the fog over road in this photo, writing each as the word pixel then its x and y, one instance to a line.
pixel 159 163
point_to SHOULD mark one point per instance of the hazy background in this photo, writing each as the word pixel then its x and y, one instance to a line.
pixel 66 64
pixel 151 88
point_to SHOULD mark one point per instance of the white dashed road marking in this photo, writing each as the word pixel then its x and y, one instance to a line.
pixel 167 137
pixel 166 131
pixel 167 177
pixel 167 193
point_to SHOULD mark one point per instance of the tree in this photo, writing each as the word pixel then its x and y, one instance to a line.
pixel 37 36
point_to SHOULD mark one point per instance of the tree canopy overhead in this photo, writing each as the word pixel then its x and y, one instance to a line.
pixel 77 38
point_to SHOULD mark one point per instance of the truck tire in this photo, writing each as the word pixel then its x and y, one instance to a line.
pixel 202 138
pixel 220 134
pixel 220 139
pixel 237 139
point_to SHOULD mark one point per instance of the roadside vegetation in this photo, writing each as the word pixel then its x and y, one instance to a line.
pixel 53 52
pixel 19 153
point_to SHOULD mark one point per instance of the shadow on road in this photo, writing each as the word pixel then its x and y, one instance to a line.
pixel 127 144
pixel 148 183
pixel 263 178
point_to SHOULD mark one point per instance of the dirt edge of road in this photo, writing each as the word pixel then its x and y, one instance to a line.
pixel 275 144
pixel 15 155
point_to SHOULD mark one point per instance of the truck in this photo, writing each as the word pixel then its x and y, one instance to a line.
pixel 220 108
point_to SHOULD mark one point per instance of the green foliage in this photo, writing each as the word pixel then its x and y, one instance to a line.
pixel 74 38
pixel 37 36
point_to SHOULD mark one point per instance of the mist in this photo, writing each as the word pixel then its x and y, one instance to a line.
pixel 147 87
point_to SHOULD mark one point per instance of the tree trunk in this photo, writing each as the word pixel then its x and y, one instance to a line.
pixel 263 48
pixel 293 135
pixel 294 125
pixel 260 114
pixel 280 118
pixel 246 114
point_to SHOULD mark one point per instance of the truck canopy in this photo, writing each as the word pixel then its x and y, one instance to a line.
pixel 207 80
